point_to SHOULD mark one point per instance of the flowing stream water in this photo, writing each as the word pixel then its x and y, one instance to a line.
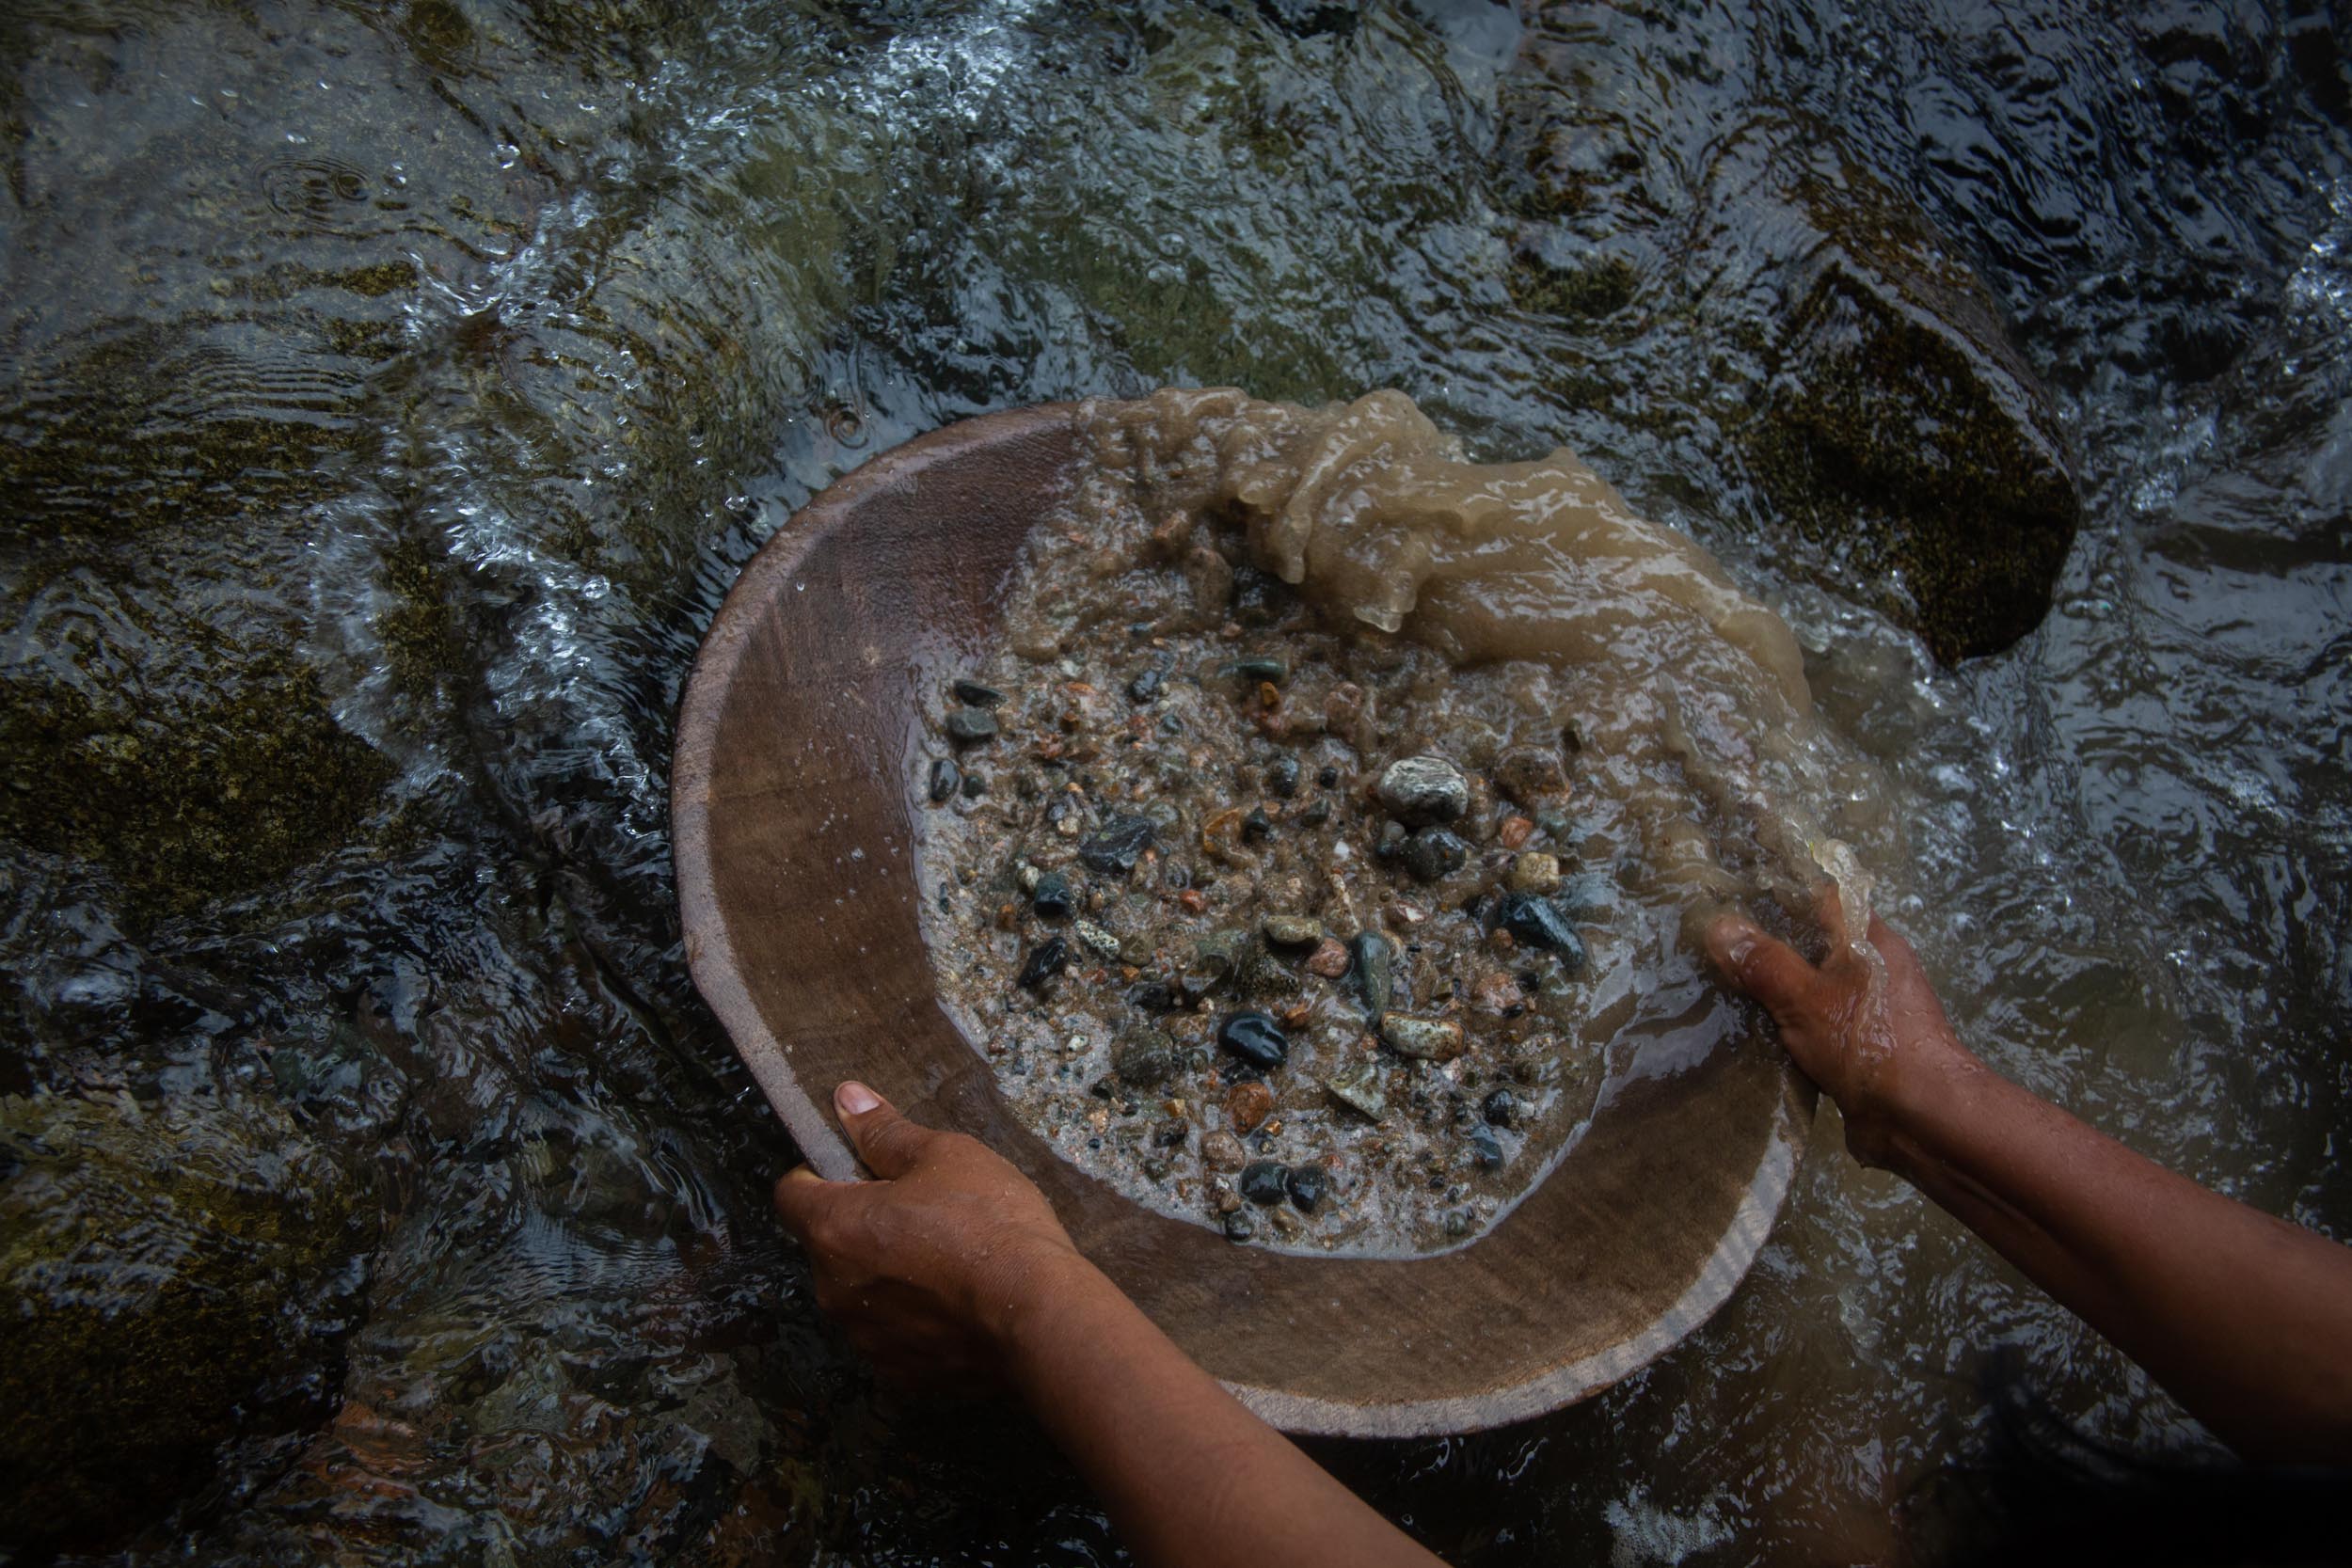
pixel 390 394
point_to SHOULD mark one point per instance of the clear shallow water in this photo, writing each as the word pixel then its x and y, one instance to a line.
pixel 391 397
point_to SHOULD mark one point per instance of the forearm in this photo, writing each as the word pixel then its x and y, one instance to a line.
pixel 1191 1478
pixel 2246 1319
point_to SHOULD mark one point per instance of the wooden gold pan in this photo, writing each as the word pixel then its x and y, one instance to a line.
pixel 800 743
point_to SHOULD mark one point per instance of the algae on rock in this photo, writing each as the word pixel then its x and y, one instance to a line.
pixel 173 1276
pixel 1904 454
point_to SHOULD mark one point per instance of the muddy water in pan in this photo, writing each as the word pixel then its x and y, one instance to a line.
pixel 390 394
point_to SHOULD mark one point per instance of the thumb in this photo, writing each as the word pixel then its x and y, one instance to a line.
pixel 888 1142
pixel 802 1196
pixel 1760 966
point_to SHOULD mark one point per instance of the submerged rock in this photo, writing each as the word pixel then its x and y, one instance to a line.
pixel 172 1277
pixel 1905 440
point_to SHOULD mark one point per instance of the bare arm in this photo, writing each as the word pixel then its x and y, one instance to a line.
pixel 953 1269
pixel 2245 1317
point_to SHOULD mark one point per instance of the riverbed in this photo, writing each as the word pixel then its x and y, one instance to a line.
pixel 390 394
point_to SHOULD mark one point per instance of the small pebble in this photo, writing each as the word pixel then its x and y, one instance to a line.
pixel 945 779
pixel 1152 996
pixel 1357 1087
pixel 1309 1183
pixel 1485 1148
pixel 1431 1039
pixel 1292 931
pixel 1317 814
pixel 1144 1057
pixel 1421 790
pixel 1095 936
pixel 1532 871
pixel 1146 686
pixel 1500 1108
pixel 1498 996
pixel 1281 776
pixel 1045 961
pixel 1257 669
pixel 1248 1105
pixel 1256 1038
pixel 1265 1182
pixel 1256 827
pixel 1327 776
pixel 1114 850
pixel 1529 775
pixel 1433 854
pixel 1373 958
pixel 979 695
pixel 966 725
pixel 1515 831
pixel 973 786
pixel 1222 1151
pixel 1328 959
pixel 1171 1134
pixel 1537 922
pixel 1239 1226
pixel 1457 1224
pixel 1052 900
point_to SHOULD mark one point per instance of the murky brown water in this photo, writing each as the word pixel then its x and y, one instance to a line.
pixel 390 395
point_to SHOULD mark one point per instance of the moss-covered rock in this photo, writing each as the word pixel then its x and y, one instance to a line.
pixel 1902 437
pixel 1845 356
pixel 172 1278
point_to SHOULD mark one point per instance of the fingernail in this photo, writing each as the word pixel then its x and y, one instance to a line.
pixel 855 1100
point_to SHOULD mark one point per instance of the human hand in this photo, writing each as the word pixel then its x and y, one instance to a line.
pixel 926 1268
pixel 1877 1053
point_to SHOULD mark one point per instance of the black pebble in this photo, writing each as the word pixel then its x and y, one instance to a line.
pixel 968 724
pixel 1256 826
pixel 1146 686
pixel 1045 961
pixel 978 695
pixel 1256 1038
pixel 1499 1108
pixel 973 786
pixel 1170 1134
pixel 1265 1182
pixel 1485 1148
pixel 1259 669
pixel 1239 1226
pixel 1051 900
pixel 1281 776
pixel 1152 996
pixel 946 778
pixel 1114 850
pixel 1433 853
pixel 1317 814
pixel 1329 778
pixel 1308 1184
pixel 1539 922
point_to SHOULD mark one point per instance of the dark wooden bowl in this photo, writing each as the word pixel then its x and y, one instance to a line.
pixel 797 765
